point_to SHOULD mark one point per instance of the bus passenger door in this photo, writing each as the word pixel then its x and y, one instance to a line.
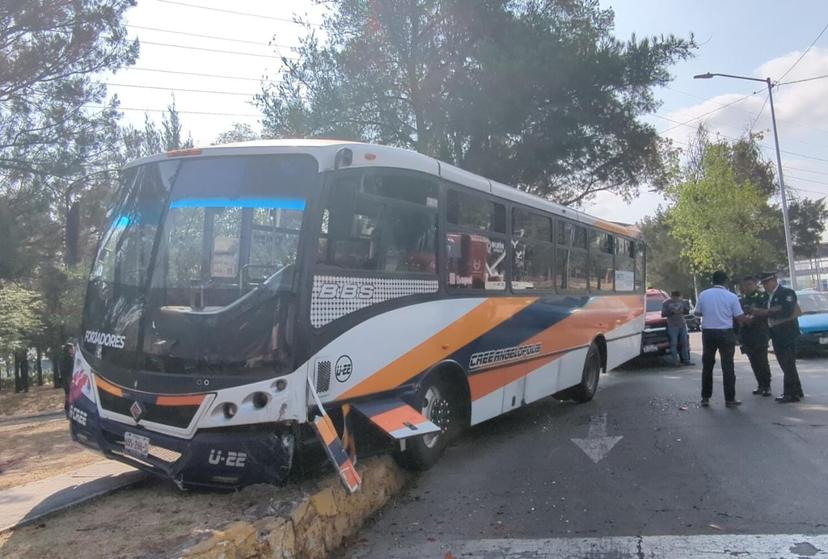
pixel 513 394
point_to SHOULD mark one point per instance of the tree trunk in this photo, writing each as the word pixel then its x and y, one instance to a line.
pixel 39 366
pixel 17 382
pixel 54 356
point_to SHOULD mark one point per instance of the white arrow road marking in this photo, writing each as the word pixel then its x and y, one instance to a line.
pixel 597 444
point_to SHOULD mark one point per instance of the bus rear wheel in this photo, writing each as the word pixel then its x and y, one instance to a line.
pixel 439 404
pixel 585 391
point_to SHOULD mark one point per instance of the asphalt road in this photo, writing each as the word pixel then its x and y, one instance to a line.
pixel 518 486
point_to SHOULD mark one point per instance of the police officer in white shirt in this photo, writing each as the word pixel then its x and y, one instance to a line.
pixel 719 308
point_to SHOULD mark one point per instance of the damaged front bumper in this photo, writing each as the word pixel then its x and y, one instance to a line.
pixel 227 458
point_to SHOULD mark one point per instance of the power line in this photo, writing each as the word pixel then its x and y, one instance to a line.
pixel 789 176
pixel 813 157
pixel 751 113
pixel 687 122
pixel 188 34
pixel 135 68
pixel 759 114
pixel 801 56
pixel 801 170
pixel 235 12
pixel 179 111
pixel 270 56
pixel 822 77
pixel 182 89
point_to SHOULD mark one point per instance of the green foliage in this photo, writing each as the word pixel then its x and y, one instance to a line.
pixel 718 217
pixel 666 267
pixel 807 222
pixel 239 132
pixel 20 317
pixel 57 152
pixel 537 93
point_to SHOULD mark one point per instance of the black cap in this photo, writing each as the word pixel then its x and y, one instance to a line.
pixel 767 276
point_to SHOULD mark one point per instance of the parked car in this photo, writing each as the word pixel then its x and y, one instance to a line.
pixel 813 323
pixel 693 321
pixel 654 339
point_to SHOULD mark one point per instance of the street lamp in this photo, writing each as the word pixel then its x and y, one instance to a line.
pixel 788 243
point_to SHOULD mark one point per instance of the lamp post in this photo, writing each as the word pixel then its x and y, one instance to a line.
pixel 788 243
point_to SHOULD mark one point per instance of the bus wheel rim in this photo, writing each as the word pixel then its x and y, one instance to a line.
pixel 436 410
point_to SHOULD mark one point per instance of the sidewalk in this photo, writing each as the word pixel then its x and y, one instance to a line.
pixel 21 505
pixel 17 419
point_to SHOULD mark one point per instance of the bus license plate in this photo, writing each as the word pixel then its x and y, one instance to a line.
pixel 650 348
pixel 136 445
pixel 823 340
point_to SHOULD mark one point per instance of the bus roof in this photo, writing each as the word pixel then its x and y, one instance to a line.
pixel 374 155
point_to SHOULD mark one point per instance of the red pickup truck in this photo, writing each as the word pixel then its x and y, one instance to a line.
pixel 654 340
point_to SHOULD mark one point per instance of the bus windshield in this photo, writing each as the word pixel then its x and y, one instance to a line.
pixel 188 241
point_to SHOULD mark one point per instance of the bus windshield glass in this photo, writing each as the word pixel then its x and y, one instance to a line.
pixel 188 241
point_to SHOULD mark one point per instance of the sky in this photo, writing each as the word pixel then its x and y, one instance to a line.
pixel 237 44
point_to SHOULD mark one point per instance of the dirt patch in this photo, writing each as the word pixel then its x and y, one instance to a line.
pixel 148 520
pixel 34 451
pixel 39 399
pixel 154 520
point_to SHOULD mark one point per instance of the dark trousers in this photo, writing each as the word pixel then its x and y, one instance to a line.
pixel 723 341
pixel 758 357
pixel 784 347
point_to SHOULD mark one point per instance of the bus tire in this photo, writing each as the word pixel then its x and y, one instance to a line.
pixel 439 404
pixel 585 391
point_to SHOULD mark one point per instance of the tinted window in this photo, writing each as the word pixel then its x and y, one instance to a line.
pixel 571 269
pixel 475 212
pixel 533 265
pixel 527 225
pixel 401 186
pixel 624 265
pixel 476 261
pixel 601 276
pixel 395 233
pixel 640 264
pixel 601 242
pixel 564 233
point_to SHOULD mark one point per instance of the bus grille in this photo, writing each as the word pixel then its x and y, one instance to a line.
pixel 174 416
pixel 323 376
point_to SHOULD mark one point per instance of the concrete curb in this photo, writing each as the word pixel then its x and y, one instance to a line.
pixel 317 524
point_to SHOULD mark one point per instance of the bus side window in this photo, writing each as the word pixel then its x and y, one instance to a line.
pixel 533 253
pixel 571 264
pixel 640 264
pixel 624 265
pixel 476 242
pixel 601 274
pixel 384 221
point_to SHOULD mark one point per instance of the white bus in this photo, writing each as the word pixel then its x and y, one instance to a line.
pixel 239 290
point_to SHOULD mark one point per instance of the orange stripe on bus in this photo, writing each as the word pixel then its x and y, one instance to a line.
pixel 326 429
pixel 108 387
pixel 397 418
pixel 576 330
pixel 615 228
pixel 465 329
pixel 482 384
pixel 194 400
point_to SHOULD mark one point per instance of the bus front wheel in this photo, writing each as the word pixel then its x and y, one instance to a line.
pixel 438 403
pixel 585 391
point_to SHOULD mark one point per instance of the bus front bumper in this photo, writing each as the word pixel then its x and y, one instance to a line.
pixel 216 458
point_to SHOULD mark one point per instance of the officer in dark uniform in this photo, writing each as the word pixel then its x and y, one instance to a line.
pixel 782 312
pixel 753 336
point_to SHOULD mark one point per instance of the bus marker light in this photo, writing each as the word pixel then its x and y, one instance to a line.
pixel 183 152
pixel 370 156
